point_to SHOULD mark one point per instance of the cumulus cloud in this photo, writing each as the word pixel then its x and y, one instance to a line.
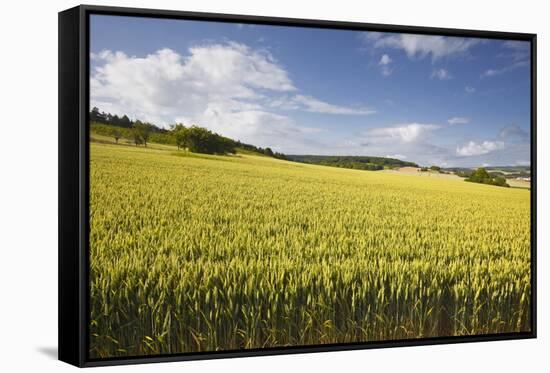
pixel 458 120
pixel 473 148
pixel 164 85
pixel 409 132
pixel 227 87
pixel 420 46
pixel 469 89
pixel 263 127
pixel 441 74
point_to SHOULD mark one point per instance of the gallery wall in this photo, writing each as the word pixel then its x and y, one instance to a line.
pixel 28 185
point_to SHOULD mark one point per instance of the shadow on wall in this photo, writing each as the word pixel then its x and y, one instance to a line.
pixel 50 352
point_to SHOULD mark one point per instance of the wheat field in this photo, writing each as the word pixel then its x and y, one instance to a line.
pixel 195 253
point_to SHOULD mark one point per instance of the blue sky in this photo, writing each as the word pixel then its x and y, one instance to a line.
pixel 428 99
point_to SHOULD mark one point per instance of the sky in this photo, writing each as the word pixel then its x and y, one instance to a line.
pixel 433 100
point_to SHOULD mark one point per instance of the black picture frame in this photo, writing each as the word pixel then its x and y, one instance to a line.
pixel 74 183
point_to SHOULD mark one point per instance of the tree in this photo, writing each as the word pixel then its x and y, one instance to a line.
pixel 482 176
pixel 500 181
pixel 479 176
pixel 280 156
pixel 136 135
pixel 143 131
pixel 115 120
pixel 125 121
pixel 225 145
pixel 268 151
pixel 146 132
pixel 94 114
pixel 201 140
pixel 116 133
pixel 180 134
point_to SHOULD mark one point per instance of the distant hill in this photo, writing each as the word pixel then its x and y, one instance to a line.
pixel 354 162
pixel 508 172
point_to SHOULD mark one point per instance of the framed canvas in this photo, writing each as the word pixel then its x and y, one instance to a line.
pixel 236 186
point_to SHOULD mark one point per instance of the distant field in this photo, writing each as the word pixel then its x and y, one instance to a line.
pixel 414 171
pixel 203 253
pixel 518 183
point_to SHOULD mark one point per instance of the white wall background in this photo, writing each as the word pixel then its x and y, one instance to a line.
pixel 28 184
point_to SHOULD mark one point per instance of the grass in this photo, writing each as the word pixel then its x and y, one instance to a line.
pixel 191 253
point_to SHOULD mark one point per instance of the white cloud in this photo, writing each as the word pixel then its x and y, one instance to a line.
pixel 385 60
pixel 517 52
pixel 513 130
pixel 474 148
pixel 458 120
pixel 226 87
pixel 238 64
pixel 421 45
pixel 384 64
pixel 492 72
pixel 514 134
pixel 396 156
pixel 314 105
pixel 249 124
pixel 283 103
pixel 164 85
pixel 489 73
pixel 371 36
pixel 409 132
pixel 469 89
pixel 441 74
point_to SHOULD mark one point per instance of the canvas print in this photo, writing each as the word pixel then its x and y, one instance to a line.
pixel 259 186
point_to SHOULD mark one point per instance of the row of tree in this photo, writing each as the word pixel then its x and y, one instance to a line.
pixel 193 138
pixel 140 133
pixel 107 118
pixel 201 140
pixel 354 165
pixel 354 162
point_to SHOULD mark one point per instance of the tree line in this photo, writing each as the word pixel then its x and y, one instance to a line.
pixel 354 162
pixel 140 133
pixel 193 138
